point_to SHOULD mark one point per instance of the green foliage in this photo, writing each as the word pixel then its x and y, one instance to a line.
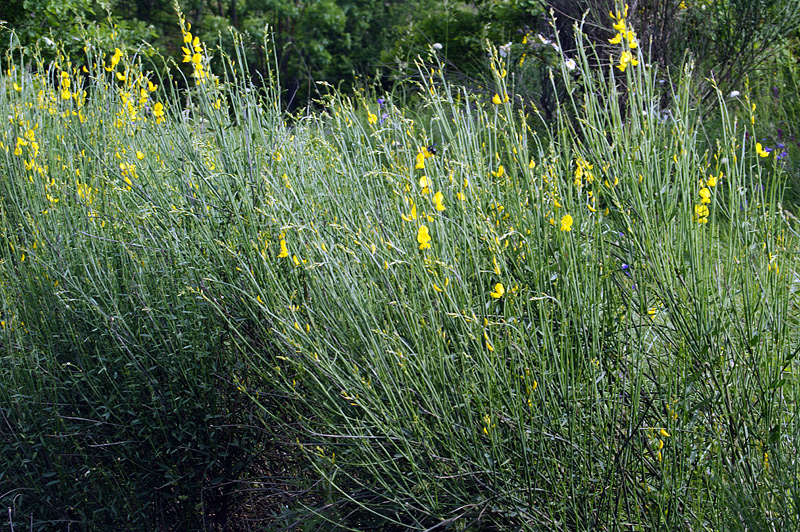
pixel 210 317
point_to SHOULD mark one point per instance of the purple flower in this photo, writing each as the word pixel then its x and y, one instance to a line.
pixel 381 102
pixel 384 116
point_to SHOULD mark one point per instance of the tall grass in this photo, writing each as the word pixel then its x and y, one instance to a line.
pixel 586 329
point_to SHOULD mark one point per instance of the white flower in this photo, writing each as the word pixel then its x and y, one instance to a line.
pixel 734 94
pixel 437 46
pixel 544 41
pixel 570 63
pixel 505 49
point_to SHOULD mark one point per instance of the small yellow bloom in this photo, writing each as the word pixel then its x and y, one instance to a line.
pixel 499 290
pixel 496 100
pixel 423 237
pixel 761 151
pixel 438 200
pixel 372 118
pixel 566 223
pixel 284 250
pixel 705 195
pixel 139 155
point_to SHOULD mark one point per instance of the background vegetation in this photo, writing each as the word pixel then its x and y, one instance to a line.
pixel 548 283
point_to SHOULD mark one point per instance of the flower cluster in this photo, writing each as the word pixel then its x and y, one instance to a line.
pixel 193 52
pixel 426 184
pixel 626 37
pixel 701 210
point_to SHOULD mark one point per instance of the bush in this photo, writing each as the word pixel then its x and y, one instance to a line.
pixel 363 320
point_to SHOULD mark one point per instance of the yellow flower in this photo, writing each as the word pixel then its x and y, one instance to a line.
pixel 423 237
pixel 420 160
pixel 496 100
pixel 372 118
pixel 499 290
pixel 566 223
pixel 413 215
pixel 284 250
pixel 626 59
pixel 701 214
pixel 761 151
pixel 139 155
pixel 705 195
pixel 424 182
pixel 438 200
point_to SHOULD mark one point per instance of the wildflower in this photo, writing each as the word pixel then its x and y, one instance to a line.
pixel 425 183
pixel 438 200
pixel 701 214
pixel 570 64
pixel 413 215
pixel 158 112
pixel 734 94
pixel 497 100
pixel 139 155
pixel 115 59
pixel 761 151
pixel 372 118
pixel 505 49
pixel 566 223
pixel 705 195
pixel 420 160
pixel 423 237
pixel 626 59
pixel 284 250
pixel 437 46
pixel 499 290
